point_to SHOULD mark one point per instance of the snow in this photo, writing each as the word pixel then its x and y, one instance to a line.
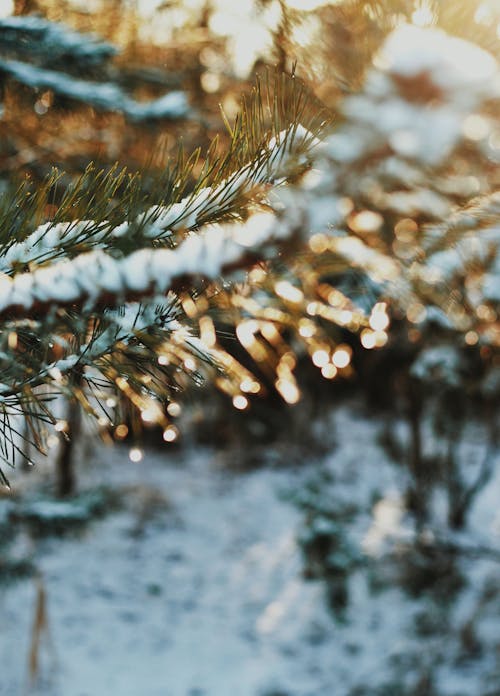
pixel 392 109
pixel 52 40
pixel 95 274
pixel 196 586
pixel 457 66
pixel 438 363
pixel 54 511
pixel 476 250
pixel 223 613
pixel 173 105
pixel 44 239
pixel 284 151
pixel 418 202
pixel 101 95
pixel 491 288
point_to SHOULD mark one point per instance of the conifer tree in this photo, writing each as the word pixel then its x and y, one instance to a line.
pixel 362 239
pixel 92 299
pixel 116 293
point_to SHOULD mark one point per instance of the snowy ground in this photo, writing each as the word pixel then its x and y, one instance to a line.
pixel 195 588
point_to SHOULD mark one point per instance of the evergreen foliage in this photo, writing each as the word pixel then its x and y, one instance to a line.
pixel 342 228
pixel 93 287
pixel 120 289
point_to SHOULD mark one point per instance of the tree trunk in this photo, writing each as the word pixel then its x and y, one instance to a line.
pixel 65 469
pixel 418 490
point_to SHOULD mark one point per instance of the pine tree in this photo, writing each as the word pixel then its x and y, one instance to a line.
pixel 57 53
pixel 82 215
pixel 364 242
pixel 93 289
pixel 405 193
pixel 116 294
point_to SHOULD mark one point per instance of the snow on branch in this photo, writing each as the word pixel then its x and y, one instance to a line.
pixel 98 280
pixel 480 214
pixel 52 42
pixel 283 153
pixel 461 69
pixel 423 86
pixel 101 95
pixel 122 327
pixel 50 239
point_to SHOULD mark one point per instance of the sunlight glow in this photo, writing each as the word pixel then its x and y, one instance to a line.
pixel 121 431
pixel 366 221
pixel 171 433
pixel 471 338
pixel 307 329
pixel 329 371
pixel 12 340
pixel 368 339
pixel 240 402
pixel 342 356
pixel 288 292
pixel 245 332
pixel 135 454
pixel 174 409
pixel 288 390
pixel 320 358
pixel 475 127
pixel 379 321
pixel 416 313
pixel 250 386
pixel 248 32
pixel 151 414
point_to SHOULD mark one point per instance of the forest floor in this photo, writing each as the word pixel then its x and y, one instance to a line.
pixel 194 584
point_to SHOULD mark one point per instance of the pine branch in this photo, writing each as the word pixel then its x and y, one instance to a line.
pixel 96 280
pixel 72 325
pixel 261 154
pixel 105 96
pixel 52 42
